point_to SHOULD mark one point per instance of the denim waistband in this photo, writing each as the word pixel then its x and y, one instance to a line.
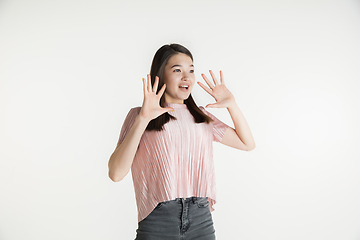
pixel 189 199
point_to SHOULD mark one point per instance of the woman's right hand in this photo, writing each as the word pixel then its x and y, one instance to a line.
pixel 151 108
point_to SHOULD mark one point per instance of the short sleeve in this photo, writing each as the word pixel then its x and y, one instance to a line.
pixel 219 127
pixel 128 123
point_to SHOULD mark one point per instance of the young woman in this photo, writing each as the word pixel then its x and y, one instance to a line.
pixel 167 144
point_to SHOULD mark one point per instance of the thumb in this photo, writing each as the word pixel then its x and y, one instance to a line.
pixel 212 105
pixel 168 109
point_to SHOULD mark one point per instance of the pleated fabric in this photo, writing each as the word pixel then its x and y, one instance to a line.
pixel 176 162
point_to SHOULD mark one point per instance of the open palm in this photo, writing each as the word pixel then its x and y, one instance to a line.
pixel 151 108
pixel 218 91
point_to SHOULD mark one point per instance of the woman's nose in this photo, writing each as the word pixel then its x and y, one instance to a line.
pixel 185 77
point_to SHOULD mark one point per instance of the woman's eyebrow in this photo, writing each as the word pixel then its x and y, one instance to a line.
pixel 176 65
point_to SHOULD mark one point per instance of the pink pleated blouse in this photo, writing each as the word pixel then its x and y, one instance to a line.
pixel 176 162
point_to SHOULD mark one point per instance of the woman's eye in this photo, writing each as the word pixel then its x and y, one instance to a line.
pixel 191 71
pixel 177 70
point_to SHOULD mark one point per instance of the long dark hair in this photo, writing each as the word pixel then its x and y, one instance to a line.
pixel 159 62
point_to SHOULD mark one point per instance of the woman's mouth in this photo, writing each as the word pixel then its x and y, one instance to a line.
pixel 184 87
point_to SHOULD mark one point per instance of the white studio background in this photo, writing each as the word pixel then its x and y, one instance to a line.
pixel 71 70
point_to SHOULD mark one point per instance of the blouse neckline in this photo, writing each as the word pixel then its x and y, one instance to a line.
pixel 175 105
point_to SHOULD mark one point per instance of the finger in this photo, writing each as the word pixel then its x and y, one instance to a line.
pixel 213 77
pixel 162 90
pixel 144 85
pixel 208 90
pixel 156 84
pixel 149 87
pixel 168 109
pixel 222 80
pixel 207 81
pixel 212 105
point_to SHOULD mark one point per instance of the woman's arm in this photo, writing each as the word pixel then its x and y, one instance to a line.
pixel 240 137
pixel 123 156
pixel 121 160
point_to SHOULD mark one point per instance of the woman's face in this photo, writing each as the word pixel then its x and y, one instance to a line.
pixel 179 78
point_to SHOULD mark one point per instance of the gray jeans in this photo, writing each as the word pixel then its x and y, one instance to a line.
pixel 179 219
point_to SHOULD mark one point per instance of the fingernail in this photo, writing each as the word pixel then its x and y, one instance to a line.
pixel 143 79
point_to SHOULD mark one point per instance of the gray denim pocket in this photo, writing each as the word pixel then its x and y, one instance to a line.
pixel 160 205
pixel 202 202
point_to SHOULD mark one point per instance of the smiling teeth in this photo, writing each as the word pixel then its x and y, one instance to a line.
pixel 184 86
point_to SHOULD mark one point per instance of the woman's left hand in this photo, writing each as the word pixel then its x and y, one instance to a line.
pixel 222 95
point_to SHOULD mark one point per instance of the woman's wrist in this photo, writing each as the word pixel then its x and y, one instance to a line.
pixel 142 121
pixel 232 106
